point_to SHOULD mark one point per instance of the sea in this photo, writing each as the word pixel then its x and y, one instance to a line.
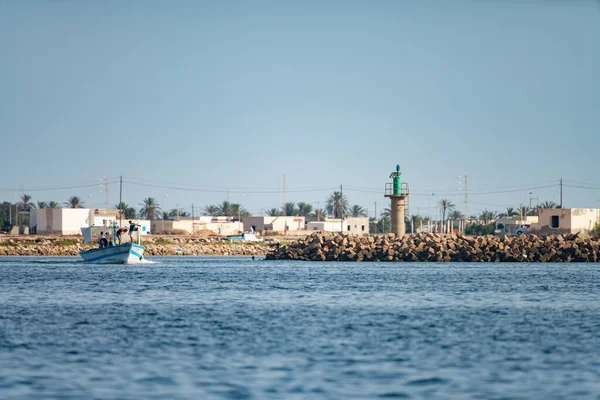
pixel 237 328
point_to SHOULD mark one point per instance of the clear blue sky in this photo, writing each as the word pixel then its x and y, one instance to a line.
pixel 234 94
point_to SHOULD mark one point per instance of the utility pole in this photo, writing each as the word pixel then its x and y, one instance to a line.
pixel 341 209
pixel 283 190
pixel 319 211
pixel 375 217
pixel 466 196
pixel 227 195
pixel 192 218
pixel 561 193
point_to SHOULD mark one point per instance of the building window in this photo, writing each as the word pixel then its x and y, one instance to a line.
pixel 315 228
pixel 362 228
pixel 554 221
pixel 348 228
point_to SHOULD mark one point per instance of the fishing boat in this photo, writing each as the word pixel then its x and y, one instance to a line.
pixel 108 251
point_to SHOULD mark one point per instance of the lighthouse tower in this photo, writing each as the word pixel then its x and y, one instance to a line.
pixel 397 192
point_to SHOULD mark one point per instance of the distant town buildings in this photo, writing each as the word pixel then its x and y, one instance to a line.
pixel 69 221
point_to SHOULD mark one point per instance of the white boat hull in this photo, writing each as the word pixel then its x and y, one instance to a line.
pixel 121 254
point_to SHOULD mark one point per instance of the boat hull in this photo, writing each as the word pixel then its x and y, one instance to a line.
pixel 121 254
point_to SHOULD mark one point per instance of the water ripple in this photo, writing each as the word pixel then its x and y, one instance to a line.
pixel 231 328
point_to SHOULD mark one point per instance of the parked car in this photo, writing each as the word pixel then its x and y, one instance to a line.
pixel 523 228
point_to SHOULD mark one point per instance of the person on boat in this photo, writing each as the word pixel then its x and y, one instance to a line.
pixel 120 231
pixel 131 230
pixel 102 242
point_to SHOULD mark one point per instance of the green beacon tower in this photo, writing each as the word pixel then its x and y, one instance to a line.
pixel 398 193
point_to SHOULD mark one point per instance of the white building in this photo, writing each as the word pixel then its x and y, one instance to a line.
pixel 567 220
pixel 273 224
pixel 68 221
pixel 348 225
pixel 217 225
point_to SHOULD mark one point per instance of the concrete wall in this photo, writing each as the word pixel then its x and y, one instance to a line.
pixel 350 225
pixel 277 224
pixel 570 220
pixel 62 221
pixel 189 226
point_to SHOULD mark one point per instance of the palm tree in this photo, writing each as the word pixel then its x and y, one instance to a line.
pixel 165 215
pixel 128 212
pixel 304 209
pixel 26 202
pixel 53 204
pixel 289 209
pixel 510 211
pixel 384 224
pixel 357 211
pixel 42 205
pixel 210 210
pixel 415 221
pixel 445 205
pixel 455 215
pixel 548 204
pixel 74 202
pixel 320 214
pixel 237 210
pixel 225 209
pixel 150 209
pixel 336 205
pixel 178 212
pixel 387 212
pixel 274 212
pixel 525 211
pixel 487 216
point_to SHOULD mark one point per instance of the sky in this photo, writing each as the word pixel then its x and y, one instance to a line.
pixel 196 102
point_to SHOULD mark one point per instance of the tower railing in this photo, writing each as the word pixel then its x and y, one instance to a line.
pixel 389 189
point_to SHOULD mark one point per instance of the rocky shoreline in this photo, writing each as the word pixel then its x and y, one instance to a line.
pixel 184 246
pixel 441 248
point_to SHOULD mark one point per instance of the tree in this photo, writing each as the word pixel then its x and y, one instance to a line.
pixel 320 214
pixel 525 211
pixel 237 210
pixel 510 211
pixel 487 216
pixel 445 205
pixel 548 204
pixel 384 224
pixel 225 209
pixel 26 203
pixel 53 204
pixel 150 209
pixel 274 212
pixel 336 205
pixel 42 204
pixel 128 212
pixel 357 211
pixel 210 210
pixel 415 222
pixel 387 212
pixel 74 202
pixel 289 209
pixel 455 215
pixel 304 209
pixel 178 212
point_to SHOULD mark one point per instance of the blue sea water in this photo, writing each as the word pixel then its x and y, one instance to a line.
pixel 233 328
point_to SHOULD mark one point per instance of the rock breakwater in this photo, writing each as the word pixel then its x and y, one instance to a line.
pixel 52 246
pixel 440 248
